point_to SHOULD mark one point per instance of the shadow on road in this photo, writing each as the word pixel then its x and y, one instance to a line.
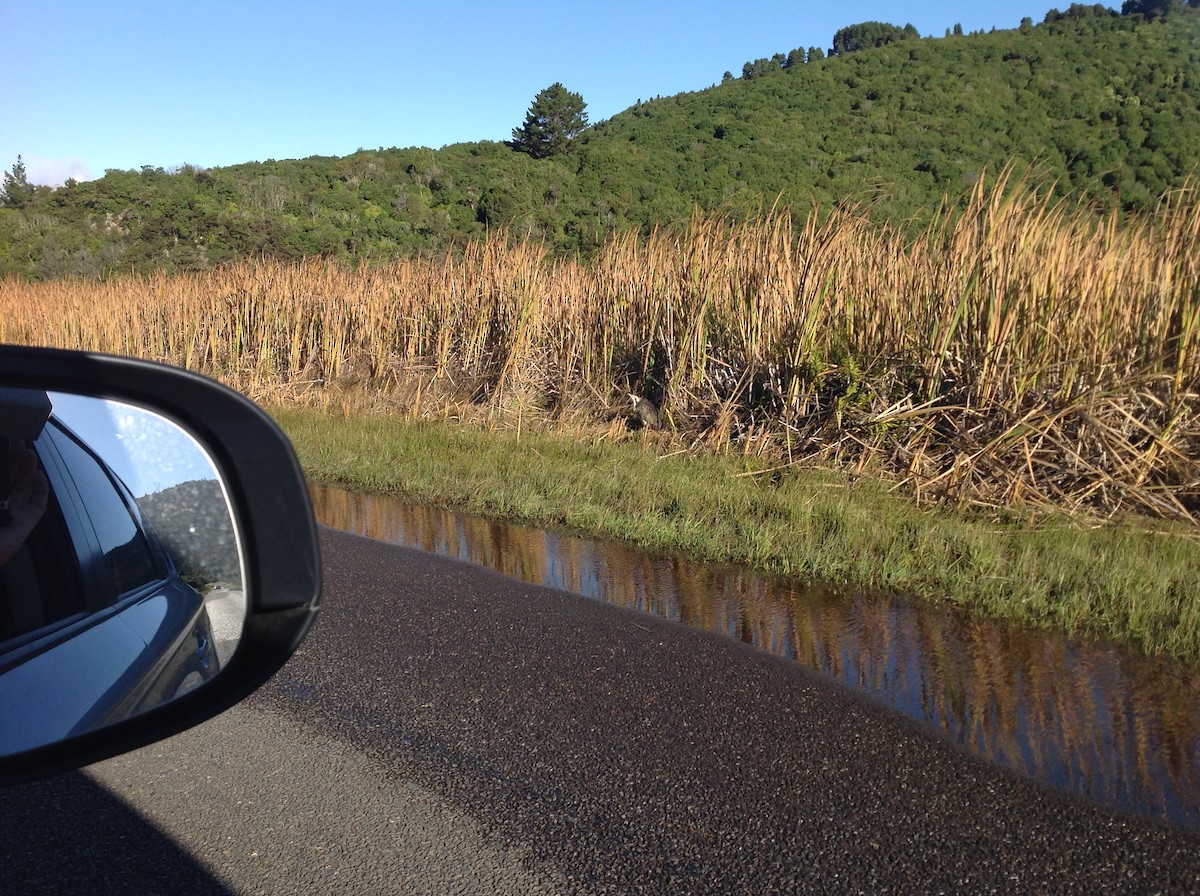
pixel 67 834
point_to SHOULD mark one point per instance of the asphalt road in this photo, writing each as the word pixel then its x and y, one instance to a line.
pixel 446 730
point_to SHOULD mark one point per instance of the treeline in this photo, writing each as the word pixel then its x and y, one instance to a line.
pixel 868 35
pixel 1105 105
pixel 850 39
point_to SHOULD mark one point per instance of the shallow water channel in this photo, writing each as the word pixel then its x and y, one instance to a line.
pixel 1083 717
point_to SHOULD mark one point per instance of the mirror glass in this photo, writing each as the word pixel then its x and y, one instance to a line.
pixel 121 576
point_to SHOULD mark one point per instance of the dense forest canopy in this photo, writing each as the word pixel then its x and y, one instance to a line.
pixel 1104 105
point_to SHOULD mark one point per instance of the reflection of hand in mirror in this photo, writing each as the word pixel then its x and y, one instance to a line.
pixel 26 501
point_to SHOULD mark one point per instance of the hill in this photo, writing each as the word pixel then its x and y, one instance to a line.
pixel 1104 106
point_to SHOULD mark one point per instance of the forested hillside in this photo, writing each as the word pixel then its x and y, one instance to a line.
pixel 1102 105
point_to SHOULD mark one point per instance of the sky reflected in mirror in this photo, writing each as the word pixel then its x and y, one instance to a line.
pixel 149 452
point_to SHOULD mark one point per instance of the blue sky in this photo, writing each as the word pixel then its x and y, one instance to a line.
pixel 88 86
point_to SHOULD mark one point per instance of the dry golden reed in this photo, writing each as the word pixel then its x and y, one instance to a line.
pixel 1017 352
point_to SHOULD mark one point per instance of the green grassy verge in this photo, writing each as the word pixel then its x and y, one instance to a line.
pixel 1118 581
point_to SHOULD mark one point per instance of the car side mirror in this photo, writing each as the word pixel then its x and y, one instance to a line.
pixel 173 566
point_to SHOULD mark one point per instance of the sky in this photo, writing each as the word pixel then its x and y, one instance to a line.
pixel 90 85
pixel 148 452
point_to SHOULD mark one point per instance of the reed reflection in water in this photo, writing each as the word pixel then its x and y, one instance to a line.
pixel 1082 717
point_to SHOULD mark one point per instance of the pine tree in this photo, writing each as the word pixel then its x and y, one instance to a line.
pixel 556 117
pixel 16 190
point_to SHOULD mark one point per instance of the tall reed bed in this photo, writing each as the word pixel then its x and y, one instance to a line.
pixel 1017 352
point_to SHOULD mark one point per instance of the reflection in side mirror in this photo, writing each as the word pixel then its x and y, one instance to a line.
pixel 127 592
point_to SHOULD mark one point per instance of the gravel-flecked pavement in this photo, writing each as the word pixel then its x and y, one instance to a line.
pixel 636 755
pixel 446 730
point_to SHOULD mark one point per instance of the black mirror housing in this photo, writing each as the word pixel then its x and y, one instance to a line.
pixel 271 509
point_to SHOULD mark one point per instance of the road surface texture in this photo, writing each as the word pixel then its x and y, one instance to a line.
pixel 446 730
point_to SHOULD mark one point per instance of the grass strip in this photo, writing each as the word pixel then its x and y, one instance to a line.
pixel 1125 582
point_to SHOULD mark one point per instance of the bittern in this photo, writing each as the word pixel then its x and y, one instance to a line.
pixel 646 412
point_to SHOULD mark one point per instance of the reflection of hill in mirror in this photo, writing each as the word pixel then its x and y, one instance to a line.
pixel 1083 717
pixel 192 520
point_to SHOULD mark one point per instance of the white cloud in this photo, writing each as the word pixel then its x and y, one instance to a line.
pixel 54 172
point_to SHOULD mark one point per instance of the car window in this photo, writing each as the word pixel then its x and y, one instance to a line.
pixel 41 584
pixel 129 561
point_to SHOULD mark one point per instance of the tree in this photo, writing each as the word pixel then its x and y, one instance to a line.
pixel 1149 9
pixel 556 117
pixel 16 190
pixel 866 35
pixel 760 68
